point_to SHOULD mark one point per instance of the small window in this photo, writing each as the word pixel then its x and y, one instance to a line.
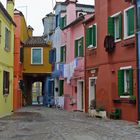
pixel 79 49
pixel 62 22
pixel 129 22
pixel 56 21
pixel 125 82
pixel 91 36
pixel 0 31
pixel 115 26
pixel 37 56
pixel 6 79
pixel 21 54
pixel 7 39
pixel 52 56
pixel 138 17
pixel 63 54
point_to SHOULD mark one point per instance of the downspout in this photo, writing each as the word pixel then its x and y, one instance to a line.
pixel 138 61
pixel 85 109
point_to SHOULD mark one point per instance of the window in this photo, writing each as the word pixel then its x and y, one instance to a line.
pixel 21 54
pixel 37 56
pixel 6 79
pixel 62 22
pixel 91 36
pixel 7 39
pixel 125 82
pixel 52 56
pixel 129 22
pixel 138 17
pixel 63 54
pixel 0 31
pixel 56 21
pixel 115 26
pixel 79 49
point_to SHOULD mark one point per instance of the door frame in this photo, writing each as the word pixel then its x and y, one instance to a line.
pixel 81 101
pixel 91 78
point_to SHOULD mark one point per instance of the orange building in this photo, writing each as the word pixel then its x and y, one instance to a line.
pixel 21 34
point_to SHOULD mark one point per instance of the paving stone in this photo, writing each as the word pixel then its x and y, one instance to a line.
pixel 41 123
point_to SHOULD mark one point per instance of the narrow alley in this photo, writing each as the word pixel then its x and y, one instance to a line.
pixel 41 123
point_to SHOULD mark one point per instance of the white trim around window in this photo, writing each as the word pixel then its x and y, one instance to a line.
pixel 125 22
pixel 91 46
pixel 125 68
pixel 113 16
pixel 41 56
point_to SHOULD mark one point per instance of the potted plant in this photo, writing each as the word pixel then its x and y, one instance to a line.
pixel 100 108
pixel 132 99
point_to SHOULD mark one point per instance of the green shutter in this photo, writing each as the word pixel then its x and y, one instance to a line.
pixel 87 37
pixel 111 26
pixel 138 18
pixel 82 47
pixel 21 54
pixel 130 21
pixel 131 81
pixel 120 82
pixel 94 35
pixel 76 48
pixel 61 54
pixel 120 25
pixel 61 83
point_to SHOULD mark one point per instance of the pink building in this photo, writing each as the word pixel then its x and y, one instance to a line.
pixel 72 54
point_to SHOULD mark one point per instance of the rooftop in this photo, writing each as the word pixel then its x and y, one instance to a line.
pixel 35 41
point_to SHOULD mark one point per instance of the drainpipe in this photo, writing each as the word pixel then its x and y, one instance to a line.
pixel 138 60
pixel 85 103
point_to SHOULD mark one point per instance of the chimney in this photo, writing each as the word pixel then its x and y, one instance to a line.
pixel 10 7
pixel 30 31
pixel 71 10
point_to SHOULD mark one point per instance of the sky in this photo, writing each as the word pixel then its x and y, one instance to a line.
pixel 34 11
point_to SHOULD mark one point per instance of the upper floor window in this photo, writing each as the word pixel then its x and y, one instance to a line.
pixel 115 26
pixel 129 22
pixel 6 79
pixel 21 54
pixel 0 31
pixel 62 22
pixel 7 39
pixel 37 56
pixel 91 36
pixel 52 56
pixel 125 81
pixel 56 21
pixel 63 54
pixel 138 16
pixel 79 47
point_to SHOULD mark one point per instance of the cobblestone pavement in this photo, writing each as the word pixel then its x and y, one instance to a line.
pixel 41 123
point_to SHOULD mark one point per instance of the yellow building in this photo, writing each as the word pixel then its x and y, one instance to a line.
pixel 7 26
pixel 36 67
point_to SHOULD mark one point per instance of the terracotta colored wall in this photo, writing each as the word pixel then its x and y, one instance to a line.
pixel 109 64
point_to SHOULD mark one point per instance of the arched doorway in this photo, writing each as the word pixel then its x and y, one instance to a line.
pixel 37 97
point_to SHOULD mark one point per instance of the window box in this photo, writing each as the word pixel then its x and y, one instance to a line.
pixel 132 100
